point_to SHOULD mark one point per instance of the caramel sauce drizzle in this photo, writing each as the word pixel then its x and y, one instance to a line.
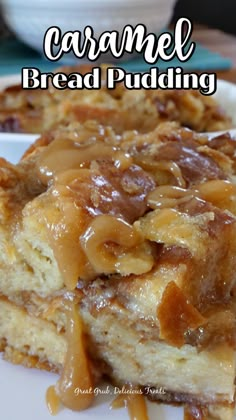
pixel 174 169
pixel 76 375
pixel 135 403
pixel 105 229
pixel 76 371
pixel 63 155
pixel 97 193
pixel 60 164
pixel 64 233
pixel 173 327
pixel 78 233
pixel 52 400
pixel 217 192
pixel 167 166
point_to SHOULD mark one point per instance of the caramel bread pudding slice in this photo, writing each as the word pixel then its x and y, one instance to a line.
pixel 118 259
pixel 34 111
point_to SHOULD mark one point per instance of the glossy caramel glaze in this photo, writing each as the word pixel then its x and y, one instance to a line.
pixel 52 400
pixel 117 207
pixel 177 316
pixel 76 371
pixel 99 193
pixel 134 402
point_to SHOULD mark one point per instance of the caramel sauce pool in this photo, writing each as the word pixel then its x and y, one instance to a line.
pixel 135 403
pixel 52 400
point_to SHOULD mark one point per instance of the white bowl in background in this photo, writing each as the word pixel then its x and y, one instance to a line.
pixel 30 20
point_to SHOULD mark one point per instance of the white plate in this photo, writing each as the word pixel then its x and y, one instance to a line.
pixel 23 397
pixel 12 146
pixel 23 390
pixel 226 96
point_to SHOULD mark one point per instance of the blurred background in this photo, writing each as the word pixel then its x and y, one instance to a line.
pixel 4 31
pixel 219 14
pixel 25 22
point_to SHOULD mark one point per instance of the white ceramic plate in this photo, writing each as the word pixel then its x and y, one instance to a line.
pixel 23 390
pixel 23 397
pixel 12 145
pixel 226 96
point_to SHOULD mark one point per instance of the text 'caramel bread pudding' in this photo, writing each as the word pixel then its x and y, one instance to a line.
pixel 34 111
pixel 118 260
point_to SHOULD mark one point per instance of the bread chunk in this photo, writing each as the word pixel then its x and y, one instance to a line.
pixel 121 250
